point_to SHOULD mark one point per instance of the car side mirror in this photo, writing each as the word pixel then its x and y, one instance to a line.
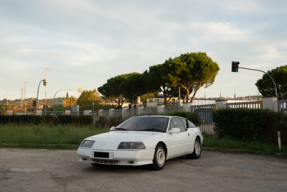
pixel 174 130
pixel 112 128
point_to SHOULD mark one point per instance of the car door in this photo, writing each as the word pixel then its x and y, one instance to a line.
pixel 178 142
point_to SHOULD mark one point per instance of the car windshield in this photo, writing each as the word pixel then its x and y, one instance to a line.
pixel 156 124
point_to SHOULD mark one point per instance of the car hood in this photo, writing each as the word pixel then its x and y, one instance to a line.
pixel 111 140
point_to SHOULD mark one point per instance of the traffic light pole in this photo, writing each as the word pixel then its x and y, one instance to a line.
pixel 58 92
pixel 265 73
pixel 38 94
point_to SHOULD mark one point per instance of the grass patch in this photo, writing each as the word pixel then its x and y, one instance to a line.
pixel 45 134
pixel 231 145
pixel 69 137
pixel 40 146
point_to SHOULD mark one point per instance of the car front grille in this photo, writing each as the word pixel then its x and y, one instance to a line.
pixel 102 161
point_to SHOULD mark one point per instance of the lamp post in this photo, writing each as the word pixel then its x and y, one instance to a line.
pixel 38 95
pixel 46 89
pixel 25 96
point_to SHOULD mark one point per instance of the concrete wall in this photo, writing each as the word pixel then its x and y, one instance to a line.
pixel 269 103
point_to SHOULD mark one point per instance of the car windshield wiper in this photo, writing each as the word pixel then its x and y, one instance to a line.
pixel 122 129
pixel 152 129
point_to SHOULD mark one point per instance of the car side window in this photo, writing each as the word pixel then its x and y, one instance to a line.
pixel 184 123
pixel 190 124
pixel 178 124
pixel 171 125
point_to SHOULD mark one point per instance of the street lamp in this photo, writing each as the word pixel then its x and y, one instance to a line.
pixel 46 89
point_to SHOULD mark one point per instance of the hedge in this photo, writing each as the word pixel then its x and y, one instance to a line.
pixel 61 119
pixel 82 120
pixel 250 124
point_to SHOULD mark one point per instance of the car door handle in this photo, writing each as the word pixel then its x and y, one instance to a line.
pixel 188 134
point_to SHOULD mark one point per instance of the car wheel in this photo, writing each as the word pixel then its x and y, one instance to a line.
pixel 196 151
pixel 159 158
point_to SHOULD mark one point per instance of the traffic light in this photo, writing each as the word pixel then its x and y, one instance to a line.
pixel 44 82
pixel 234 66
pixel 34 103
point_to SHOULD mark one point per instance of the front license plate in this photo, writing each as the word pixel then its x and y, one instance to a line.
pixel 101 154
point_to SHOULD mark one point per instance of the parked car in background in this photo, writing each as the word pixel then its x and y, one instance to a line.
pixel 143 140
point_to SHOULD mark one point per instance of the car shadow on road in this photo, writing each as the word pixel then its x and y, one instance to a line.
pixel 115 168
pixel 102 168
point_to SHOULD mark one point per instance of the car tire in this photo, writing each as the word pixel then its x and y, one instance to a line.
pixel 196 150
pixel 159 157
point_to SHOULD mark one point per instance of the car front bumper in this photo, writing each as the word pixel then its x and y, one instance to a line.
pixel 117 157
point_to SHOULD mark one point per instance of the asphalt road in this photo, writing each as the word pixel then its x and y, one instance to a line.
pixel 46 170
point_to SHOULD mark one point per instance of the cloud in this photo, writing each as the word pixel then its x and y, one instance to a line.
pixel 86 42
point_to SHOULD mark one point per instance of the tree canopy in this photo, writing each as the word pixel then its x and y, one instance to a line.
pixel 156 82
pixel 88 97
pixel 69 101
pixel 191 70
pixel 133 86
pixel 112 90
pixel 266 86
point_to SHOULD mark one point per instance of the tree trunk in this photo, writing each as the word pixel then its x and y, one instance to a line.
pixel 164 96
pixel 187 95
pixel 195 92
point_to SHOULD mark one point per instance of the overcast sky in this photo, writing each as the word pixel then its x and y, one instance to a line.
pixel 86 42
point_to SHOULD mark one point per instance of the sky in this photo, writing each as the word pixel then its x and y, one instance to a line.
pixel 84 43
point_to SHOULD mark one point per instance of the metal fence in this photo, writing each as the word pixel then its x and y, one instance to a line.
pixel 24 112
pixel 205 113
pixel 282 107
pixel 150 111
pixel 130 112
pixel 172 109
pixel 105 113
pixel 249 105
pixel 117 113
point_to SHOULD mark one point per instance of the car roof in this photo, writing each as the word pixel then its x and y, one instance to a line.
pixel 158 116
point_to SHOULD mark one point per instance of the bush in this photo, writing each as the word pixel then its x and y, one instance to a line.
pixel 193 117
pixel 23 119
pixel 250 124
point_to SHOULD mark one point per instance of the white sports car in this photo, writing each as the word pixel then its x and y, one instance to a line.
pixel 143 140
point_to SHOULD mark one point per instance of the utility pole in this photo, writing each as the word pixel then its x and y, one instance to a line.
pixel 22 106
pixel 7 98
pixel 46 90
pixel 25 96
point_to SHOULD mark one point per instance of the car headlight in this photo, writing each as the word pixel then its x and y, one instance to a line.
pixel 87 143
pixel 131 145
